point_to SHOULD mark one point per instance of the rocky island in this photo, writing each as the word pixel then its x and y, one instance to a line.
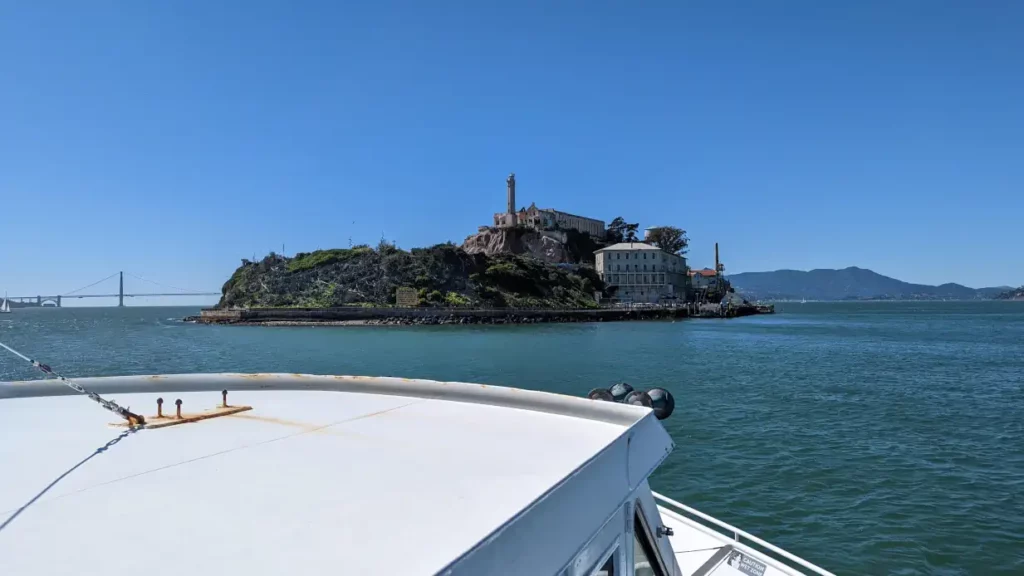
pixel 442 275
pixel 443 284
pixel 532 265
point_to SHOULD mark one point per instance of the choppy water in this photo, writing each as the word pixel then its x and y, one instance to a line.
pixel 868 438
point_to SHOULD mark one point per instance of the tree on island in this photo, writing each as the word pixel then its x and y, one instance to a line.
pixel 669 238
pixel 620 231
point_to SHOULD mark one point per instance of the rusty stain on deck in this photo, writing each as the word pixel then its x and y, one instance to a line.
pixel 155 422
pixel 305 426
pixel 318 428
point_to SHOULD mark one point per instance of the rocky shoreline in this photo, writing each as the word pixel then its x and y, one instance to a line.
pixel 424 321
pixel 423 317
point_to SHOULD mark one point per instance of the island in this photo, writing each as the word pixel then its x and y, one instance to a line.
pixel 527 265
pixel 442 284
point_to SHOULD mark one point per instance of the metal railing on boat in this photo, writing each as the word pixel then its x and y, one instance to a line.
pixel 742 536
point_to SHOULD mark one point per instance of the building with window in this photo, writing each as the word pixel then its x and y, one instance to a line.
pixel 550 219
pixel 543 218
pixel 643 273
pixel 566 221
pixel 706 278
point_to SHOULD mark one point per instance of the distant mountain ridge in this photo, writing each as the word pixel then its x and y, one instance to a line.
pixel 851 283
pixel 1012 294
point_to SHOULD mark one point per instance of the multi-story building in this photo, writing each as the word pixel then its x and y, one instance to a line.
pixel 543 218
pixel 551 219
pixel 706 278
pixel 642 273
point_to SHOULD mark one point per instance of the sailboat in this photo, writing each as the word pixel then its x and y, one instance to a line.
pixel 5 308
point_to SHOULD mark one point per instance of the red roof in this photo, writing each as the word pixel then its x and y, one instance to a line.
pixel 707 272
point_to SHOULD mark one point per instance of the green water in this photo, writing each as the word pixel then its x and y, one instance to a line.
pixel 868 438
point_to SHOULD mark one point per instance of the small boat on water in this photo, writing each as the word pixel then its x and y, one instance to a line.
pixel 5 308
pixel 306 474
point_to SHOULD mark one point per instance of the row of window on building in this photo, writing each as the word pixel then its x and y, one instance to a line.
pixel 636 256
pixel 635 278
pixel 636 268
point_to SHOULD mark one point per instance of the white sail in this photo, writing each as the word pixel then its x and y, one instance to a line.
pixel 5 307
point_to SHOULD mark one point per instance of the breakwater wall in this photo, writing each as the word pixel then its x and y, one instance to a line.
pixel 362 315
pixel 735 311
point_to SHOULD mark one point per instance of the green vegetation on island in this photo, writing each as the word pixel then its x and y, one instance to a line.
pixel 442 275
pixel 498 268
pixel 669 238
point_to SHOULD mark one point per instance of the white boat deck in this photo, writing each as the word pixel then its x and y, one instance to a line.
pixel 371 484
pixel 351 475
pixel 702 550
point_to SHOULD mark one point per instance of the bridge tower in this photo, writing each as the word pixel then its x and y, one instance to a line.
pixel 120 292
pixel 58 301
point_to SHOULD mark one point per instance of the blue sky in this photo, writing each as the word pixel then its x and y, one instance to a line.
pixel 172 139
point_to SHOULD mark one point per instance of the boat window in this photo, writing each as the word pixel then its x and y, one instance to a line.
pixel 645 559
pixel 608 568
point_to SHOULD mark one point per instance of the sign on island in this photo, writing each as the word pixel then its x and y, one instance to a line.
pixel 407 297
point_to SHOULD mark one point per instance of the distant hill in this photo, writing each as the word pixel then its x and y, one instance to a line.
pixel 847 284
pixel 1011 294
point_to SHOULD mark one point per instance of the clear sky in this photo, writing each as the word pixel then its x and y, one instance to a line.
pixel 172 139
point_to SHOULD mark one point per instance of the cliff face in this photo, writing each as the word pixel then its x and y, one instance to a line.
pixel 443 275
pixel 495 241
pixel 552 246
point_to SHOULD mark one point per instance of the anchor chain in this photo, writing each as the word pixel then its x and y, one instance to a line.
pixel 132 418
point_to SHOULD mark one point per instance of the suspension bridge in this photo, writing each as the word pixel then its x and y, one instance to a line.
pixel 40 300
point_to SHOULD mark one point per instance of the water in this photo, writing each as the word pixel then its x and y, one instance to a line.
pixel 869 438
